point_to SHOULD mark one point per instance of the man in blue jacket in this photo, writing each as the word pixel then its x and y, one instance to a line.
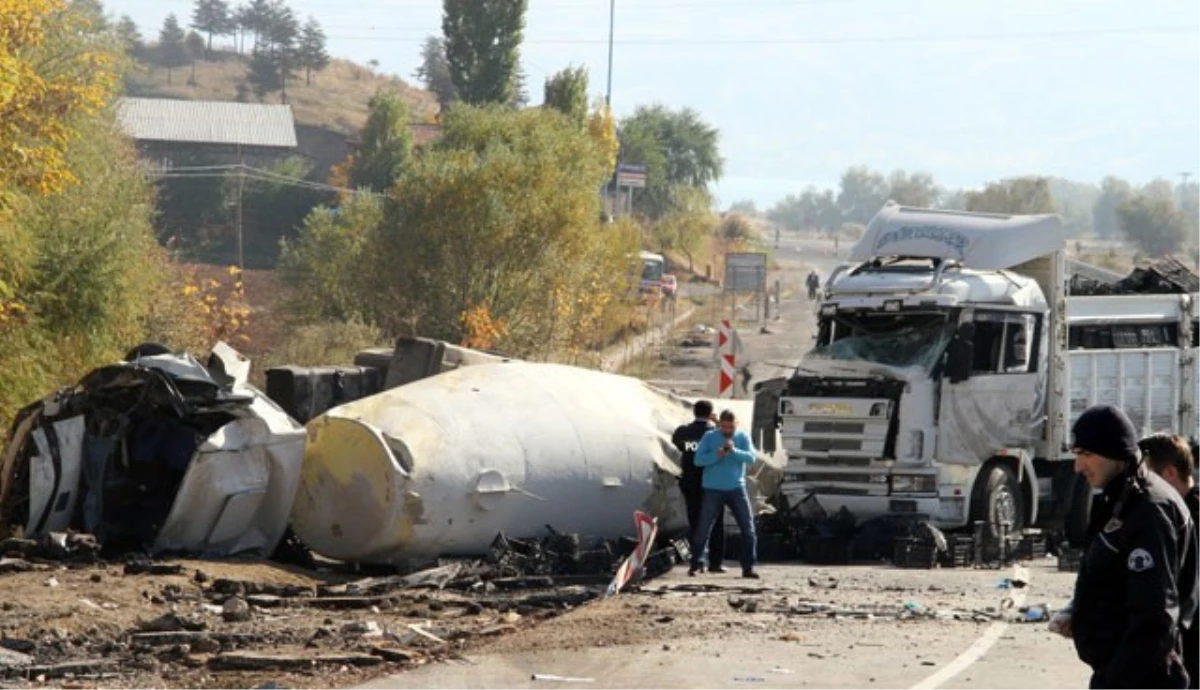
pixel 724 454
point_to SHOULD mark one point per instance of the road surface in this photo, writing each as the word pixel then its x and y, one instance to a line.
pixel 667 638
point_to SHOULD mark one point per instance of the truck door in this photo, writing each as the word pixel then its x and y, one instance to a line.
pixel 994 396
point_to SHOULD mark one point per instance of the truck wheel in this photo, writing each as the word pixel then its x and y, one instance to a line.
pixel 997 498
pixel 1075 523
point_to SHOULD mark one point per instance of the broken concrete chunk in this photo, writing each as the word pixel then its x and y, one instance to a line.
pixel 148 568
pixel 397 655
pixel 363 628
pixel 235 610
pixel 173 622
pixel 10 659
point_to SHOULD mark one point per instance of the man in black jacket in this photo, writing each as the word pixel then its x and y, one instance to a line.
pixel 1171 458
pixel 1137 581
pixel 686 438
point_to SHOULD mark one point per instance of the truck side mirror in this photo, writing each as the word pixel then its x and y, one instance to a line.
pixel 961 354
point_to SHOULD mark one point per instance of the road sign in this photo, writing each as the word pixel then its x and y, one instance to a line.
pixel 631 176
pixel 745 272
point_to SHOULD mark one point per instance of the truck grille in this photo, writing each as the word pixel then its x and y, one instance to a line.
pixel 834 428
pixel 828 444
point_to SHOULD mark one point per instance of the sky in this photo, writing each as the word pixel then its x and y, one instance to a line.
pixel 967 90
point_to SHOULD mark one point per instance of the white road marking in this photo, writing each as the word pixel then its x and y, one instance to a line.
pixel 981 645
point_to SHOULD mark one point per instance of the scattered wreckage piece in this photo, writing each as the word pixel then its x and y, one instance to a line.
pixel 437 467
pixel 250 661
pixel 157 453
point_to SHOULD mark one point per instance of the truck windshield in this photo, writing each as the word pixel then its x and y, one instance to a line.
pixel 898 340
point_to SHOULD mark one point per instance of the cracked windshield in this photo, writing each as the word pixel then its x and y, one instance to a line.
pixel 917 340
pixel 462 343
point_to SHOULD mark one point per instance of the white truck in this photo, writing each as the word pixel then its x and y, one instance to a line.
pixel 950 363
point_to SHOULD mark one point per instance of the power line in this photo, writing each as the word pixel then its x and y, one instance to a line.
pixel 250 173
pixel 835 40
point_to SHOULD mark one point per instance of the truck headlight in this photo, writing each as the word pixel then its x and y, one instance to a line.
pixel 914 483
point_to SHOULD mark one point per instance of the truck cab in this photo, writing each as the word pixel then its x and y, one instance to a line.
pixel 940 383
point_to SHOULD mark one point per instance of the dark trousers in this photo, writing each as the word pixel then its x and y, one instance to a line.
pixel 739 502
pixel 693 497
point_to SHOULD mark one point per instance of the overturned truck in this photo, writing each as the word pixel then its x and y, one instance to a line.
pixel 158 454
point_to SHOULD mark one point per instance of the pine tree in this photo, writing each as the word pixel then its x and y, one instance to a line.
pixel 128 35
pixel 434 71
pixel 172 45
pixel 212 17
pixel 483 43
pixel 282 33
pixel 311 50
pixel 195 48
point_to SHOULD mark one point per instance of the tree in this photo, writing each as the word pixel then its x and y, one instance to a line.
pixel 264 75
pixel 1016 196
pixel 746 207
pixel 311 50
pixel 195 48
pixel 39 99
pixel 255 17
pixel 80 272
pixel 128 35
pixel 434 71
pixel 483 42
pixel 322 268
pixel 863 192
pixel 1113 192
pixel 814 208
pixel 566 92
pixel 690 221
pixel 386 146
pixel 275 57
pixel 212 17
pixel 677 148
pixel 282 33
pixel 602 127
pixel 274 210
pixel 172 45
pixel 912 189
pixel 1155 225
pixel 1159 189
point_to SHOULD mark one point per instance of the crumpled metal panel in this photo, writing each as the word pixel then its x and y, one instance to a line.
pixel 237 493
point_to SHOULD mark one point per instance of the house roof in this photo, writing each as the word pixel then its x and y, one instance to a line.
pixel 208 122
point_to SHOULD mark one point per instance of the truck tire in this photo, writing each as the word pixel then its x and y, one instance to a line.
pixel 1075 522
pixel 997 498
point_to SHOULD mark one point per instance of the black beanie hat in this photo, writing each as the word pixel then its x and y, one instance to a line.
pixel 1106 431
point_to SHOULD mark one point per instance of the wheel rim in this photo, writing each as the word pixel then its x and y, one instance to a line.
pixel 1005 509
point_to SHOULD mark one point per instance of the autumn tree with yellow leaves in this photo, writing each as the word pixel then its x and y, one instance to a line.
pixel 81 275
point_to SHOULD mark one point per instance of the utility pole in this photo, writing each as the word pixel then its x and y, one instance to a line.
pixel 241 177
pixel 1183 181
pixel 612 14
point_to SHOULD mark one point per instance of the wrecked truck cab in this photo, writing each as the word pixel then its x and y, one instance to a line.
pixel 159 454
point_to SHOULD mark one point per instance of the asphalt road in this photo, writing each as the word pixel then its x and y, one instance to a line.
pixel 707 643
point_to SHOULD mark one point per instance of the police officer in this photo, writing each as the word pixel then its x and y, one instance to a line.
pixel 1170 457
pixel 1137 580
pixel 687 438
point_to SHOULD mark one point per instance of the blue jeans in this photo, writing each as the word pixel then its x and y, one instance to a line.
pixel 739 502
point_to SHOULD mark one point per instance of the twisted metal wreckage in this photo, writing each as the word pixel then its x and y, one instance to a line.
pixel 163 454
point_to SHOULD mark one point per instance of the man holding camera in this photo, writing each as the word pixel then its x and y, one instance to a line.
pixel 724 454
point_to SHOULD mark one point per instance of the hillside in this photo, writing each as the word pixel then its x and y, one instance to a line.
pixel 336 100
